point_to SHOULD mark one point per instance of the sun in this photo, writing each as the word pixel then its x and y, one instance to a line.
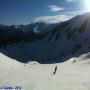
pixel 87 5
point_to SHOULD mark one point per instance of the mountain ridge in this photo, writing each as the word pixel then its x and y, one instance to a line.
pixel 66 39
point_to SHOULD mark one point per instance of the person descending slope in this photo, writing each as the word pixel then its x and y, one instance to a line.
pixel 74 61
pixel 55 70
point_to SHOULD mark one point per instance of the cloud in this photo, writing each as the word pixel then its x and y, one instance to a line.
pixel 55 8
pixel 74 13
pixel 52 19
pixel 70 0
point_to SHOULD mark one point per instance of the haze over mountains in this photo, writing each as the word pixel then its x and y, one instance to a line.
pixel 46 43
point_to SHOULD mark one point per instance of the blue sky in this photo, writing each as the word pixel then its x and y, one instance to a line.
pixel 28 11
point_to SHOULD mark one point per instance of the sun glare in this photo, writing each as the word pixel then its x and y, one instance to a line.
pixel 87 5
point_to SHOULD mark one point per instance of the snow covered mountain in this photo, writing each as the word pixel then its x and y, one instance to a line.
pixel 66 39
pixel 19 33
pixel 72 35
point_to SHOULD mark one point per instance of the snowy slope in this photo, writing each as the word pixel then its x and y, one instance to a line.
pixel 69 75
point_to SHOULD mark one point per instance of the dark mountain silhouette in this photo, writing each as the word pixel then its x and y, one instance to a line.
pixel 48 44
